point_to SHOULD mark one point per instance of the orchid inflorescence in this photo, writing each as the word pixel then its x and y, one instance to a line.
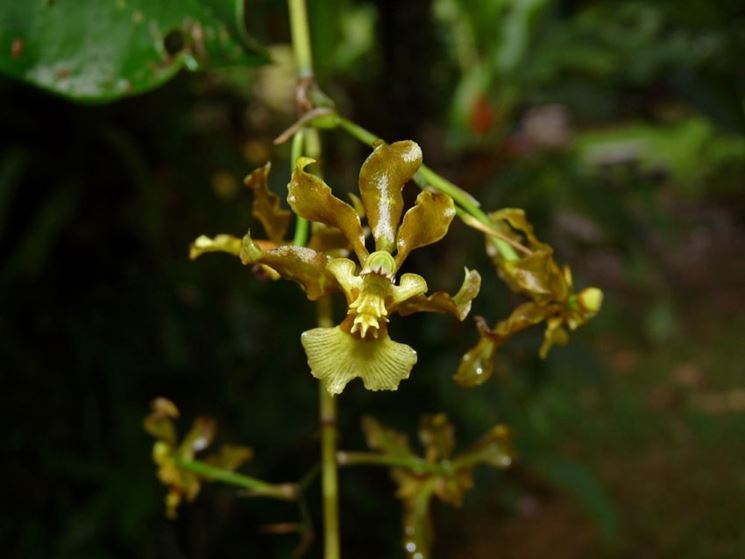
pixel 359 346
pixel 364 263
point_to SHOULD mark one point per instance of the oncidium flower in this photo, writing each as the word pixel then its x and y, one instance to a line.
pixel 440 473
pixel 549 287
pixel 168 452
pixel 360 345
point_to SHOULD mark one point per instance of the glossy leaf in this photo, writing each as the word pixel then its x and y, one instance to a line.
pixel 382 178
pixel 338 357
pixel 311 198
pixel 93 50
pixel 458 305
pixel 426 223
pixel 265 206
pixel 385 440
pixel 300 264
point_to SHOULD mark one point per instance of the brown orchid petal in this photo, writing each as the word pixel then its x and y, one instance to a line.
pixel 537 276
pixel 553 335
pixel 265 206
pixel 329 240
pixel 159 422
pixel 426 223
pixel 300 264
pixel 452 490
pixel 518 221
pixel 437 435
pixel 382 178
pixel 477 364
pixel 311 198
pixel 493 449
pixel 458 305
pixel 385 440
pixel 221 243
pixel 199 436
pixel 230 457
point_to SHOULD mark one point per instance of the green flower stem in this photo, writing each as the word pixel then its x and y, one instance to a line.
pixel 414 464
pixel 283 491
pixel 301 224
pixel 329 466
pixel 327 404
pixel 301 37
pixel 427 177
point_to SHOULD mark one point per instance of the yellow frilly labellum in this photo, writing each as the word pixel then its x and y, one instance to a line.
pixel 337 357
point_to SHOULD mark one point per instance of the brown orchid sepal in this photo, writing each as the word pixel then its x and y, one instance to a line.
pixel 425 223
pixel 266 206
pixel 458 305
pixel 311 198
pixel 302 265
pixel 439 473
pixel 382 178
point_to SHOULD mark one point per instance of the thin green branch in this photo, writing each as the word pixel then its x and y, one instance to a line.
pixel 301 37
pixel 329 436
pixel 417 465
pixel 301 224
pixel 257 487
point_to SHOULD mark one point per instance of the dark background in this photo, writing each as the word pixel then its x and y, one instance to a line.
pixel 619 128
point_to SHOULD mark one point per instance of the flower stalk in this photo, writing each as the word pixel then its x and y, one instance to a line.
pixel 257 487
pixel 309 144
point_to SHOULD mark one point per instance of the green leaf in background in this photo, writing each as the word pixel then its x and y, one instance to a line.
pixel 101 50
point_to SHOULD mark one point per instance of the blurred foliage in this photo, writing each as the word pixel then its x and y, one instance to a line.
pixel 618 126
pixel 99 51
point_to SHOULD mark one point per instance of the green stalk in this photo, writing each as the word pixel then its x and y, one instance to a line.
pixel 284 491
pixel 327 403
pixel 301 37
pixel 427 177
pixel 329 466
pixel 417 465
pixel 301 224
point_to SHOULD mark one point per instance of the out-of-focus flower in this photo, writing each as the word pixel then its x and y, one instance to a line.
pixel 438 474
pixel 168 453
pixel 535 274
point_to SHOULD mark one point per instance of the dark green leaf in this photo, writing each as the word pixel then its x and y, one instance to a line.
pixel 96 51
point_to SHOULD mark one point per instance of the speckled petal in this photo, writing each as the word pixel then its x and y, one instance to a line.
pixel 337 357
